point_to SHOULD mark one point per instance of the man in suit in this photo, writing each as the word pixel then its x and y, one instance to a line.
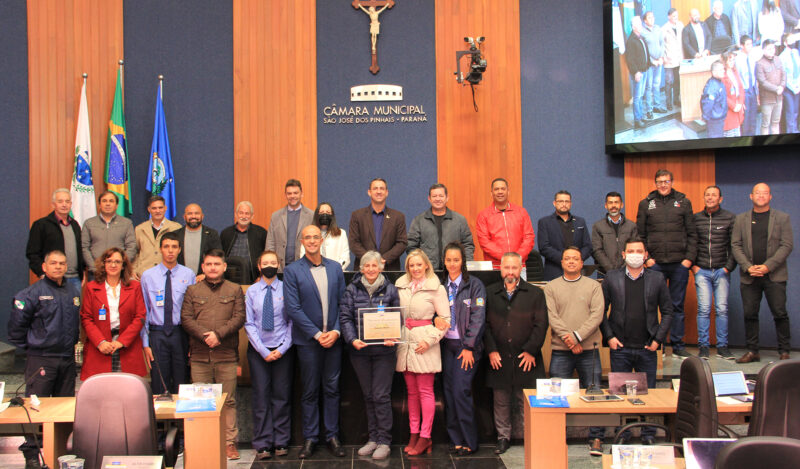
pixel 744 19
pixel 638 60
pixel 196 239
pixel 761 242
pixel 696 37
pixel 286 224
pixel 377 227
pixel 719 25
pixel 312 288
pixel 148 236
pixel 243 242
pixel 559 230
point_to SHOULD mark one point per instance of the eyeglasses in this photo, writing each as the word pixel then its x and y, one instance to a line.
pixel 113 262
pixel 664 183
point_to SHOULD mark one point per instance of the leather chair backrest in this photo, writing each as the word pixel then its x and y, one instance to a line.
pixel 114 416
pixel 776 404
pixel 759 451
pixel 697 404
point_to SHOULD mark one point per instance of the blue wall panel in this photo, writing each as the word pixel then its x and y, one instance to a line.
pixel 191 44
pixel 14 162
pixel 350 155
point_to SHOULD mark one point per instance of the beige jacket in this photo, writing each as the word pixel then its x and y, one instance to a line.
pixel 148 246
pixel 422 305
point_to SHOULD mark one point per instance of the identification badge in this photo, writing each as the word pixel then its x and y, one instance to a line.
pixel 101 314
pixel 160 298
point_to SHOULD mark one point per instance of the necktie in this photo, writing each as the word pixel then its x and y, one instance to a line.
pixel 168 325
pixel 453 291
pixel 267 318
pixel 750 73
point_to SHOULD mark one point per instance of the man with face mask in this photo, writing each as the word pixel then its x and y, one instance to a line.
pixel 632 329
pixel 244 241
pixel 196 239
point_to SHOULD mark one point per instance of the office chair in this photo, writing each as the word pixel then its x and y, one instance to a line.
pixel 235 272
pixel 114 415
pixel 759 451
pixel 776 404
pixel 696 413
pixel 534 266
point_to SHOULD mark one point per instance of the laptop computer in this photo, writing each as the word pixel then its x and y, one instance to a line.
pixel 701 453
pixel 616 382
pixel 731 384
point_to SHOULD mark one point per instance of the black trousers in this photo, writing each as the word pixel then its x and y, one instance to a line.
pixel 171 352
pixel 775 292
pixel 58 381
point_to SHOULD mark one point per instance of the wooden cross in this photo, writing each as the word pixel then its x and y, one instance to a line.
pixel 370 7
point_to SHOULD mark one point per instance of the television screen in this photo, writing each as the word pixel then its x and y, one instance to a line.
pixel 695 74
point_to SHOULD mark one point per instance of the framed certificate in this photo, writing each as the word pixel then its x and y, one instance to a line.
pixel 378 324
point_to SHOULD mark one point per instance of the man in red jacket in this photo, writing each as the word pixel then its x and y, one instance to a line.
pixel 504 227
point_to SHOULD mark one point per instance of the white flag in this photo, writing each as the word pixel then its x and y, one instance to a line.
pixel 82 189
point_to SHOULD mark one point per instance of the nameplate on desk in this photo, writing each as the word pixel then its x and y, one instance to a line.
pixel 195 405
pixel 126 462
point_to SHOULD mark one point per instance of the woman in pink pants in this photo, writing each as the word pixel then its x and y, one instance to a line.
pixel 419 358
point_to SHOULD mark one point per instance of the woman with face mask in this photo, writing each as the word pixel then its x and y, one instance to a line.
pixel 334 239
pixel 269 353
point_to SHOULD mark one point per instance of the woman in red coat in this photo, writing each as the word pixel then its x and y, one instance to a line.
pixel 735 91
pixel 112 314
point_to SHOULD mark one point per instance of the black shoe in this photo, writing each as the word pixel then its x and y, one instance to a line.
pixel 703 353
pixel 33 463
pixel 307 450
pixel 336 448
pixel 660 110
pixel 669 107
pixel 680 353
pixel 466 451
pixel 263 453
pixel 502 446
pixel 723 352
pixel 282 450
pixel 649 116
pixel 648 440
pixel 453 449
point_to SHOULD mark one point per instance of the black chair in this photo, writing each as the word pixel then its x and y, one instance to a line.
pixel 759 451
pixel 114 415
pixel 776 404
pixel 236 270
pixel 720 44
pixel 696 413
pixel 534 267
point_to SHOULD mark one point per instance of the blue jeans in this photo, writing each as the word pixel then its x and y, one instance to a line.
pixel 627 360
pixel 749 126
pixel 637 91
pixel 706 281
pixel 791 102
pixel 652 91
pixel 677 276
pixel 564 362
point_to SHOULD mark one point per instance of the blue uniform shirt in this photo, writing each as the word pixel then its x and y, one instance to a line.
pixel 281 335
pixel 153 281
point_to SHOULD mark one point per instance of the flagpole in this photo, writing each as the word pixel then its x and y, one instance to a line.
pixel 122 77
pixel 161 86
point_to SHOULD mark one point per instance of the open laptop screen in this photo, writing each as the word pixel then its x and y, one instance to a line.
pixel 729 383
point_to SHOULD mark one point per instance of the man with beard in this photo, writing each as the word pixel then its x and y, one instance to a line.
pixel 610 234
pixel 696 37
pixel 516 327
pixel 107 230
pixel 196 239
pixel 244 241
pixel 287 222
pixel 559 230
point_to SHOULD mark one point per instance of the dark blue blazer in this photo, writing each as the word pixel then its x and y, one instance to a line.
pixel 470 305
pixel 551 243
pixel 656 297
pixel 302 300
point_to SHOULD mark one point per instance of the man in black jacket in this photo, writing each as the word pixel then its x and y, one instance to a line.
pixel 516 327
pixel 57 231
pixel 631 329
pixel 666 224
pixel 243 242
pixel 610 235
pixel 712 270
pixel 638 60
pixel 196 240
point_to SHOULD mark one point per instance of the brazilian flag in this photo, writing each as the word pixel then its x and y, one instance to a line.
pixel 117 169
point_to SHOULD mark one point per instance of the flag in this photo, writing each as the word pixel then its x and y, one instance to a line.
pixel 117 175
pixel 160 179
pixel 82 190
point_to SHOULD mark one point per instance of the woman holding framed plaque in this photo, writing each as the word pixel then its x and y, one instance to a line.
pixel 419 358
pixel 373 364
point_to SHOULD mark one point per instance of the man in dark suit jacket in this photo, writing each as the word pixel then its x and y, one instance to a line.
pixel 243 242
pixel 196 239
pixel 560 230
pixel 378 228
pixel 516 327
pixel 761 242
pixel 638 59
pixel 312 288
pixel 691 46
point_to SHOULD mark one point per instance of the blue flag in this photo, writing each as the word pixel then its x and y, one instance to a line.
pixel 160 180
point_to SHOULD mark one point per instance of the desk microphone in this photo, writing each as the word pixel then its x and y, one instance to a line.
pixel 18 401
pixel 594 388
pixel 166 395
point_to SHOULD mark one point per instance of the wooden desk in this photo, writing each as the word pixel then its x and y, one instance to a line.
pixel 546 428
pixel 204 440
pixel 694 74
pixel 680 463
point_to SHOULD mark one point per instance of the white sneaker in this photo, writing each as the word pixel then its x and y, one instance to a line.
pixel 367 449
pixel 382 452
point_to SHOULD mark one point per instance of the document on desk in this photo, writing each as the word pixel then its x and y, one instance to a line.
pixel 553 401
pixel 662 455
pixel 195 405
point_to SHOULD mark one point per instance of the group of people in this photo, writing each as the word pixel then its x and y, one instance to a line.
pixel 756 77
pixel 165 292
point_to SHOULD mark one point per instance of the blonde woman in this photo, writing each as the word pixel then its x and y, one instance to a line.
pixel 419 358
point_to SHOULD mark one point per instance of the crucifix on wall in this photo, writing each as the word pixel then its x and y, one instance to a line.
pixel 373 9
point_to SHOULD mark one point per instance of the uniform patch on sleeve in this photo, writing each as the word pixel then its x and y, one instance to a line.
pixel 19 304
pixel 468 302
pixel 479 301
pixel 76 301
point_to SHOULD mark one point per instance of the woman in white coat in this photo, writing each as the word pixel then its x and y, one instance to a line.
pixel 334 239
pixel 418 358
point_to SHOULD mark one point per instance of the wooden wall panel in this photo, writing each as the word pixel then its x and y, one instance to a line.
pixel 475 147
pixel 693 172
pixel 65 39
pixel 274 101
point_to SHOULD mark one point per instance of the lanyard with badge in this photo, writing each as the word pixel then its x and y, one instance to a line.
pixel 160 298
pixel 101 315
